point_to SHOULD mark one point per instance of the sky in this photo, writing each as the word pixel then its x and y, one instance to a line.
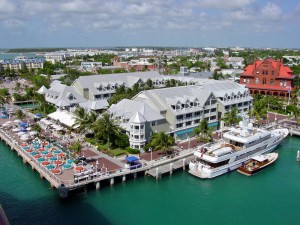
pixel 174 23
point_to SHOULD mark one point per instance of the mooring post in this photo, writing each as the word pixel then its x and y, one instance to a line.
pixel 98 185
pixel 134 175
pixel 123 178
pixel 156 173
pixel 112 181
pixel 171 168
pixel 183 164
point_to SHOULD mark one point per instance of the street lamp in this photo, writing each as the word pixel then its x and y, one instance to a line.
pixel 150 150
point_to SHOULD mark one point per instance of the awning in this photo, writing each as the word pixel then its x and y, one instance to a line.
pixel 131 159
pixel 63 117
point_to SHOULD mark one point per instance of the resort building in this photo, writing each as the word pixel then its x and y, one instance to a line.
pixel 34 63
pixel 268 77
pixel 98 87
pixel 13 64
pixel 92 92
pixel 178 110
pixel 54 57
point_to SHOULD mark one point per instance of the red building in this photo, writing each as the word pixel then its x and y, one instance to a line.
pixel 268 77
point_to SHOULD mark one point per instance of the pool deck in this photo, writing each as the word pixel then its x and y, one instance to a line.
pixel 104 167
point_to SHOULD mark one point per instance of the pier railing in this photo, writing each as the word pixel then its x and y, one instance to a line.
pixel 55 181
pixel 121 172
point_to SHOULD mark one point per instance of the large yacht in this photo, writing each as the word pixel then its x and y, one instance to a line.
pixel 237 145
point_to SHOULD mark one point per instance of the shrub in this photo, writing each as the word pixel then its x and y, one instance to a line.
pixel 132 150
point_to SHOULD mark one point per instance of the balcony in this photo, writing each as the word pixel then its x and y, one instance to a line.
pixel 135 131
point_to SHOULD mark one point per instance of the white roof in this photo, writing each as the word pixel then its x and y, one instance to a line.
pixel 63 117
pixel 260 158
pixel 42 90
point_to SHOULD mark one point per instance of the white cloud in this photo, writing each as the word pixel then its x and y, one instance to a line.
pixel 6 7
pixel 13 24
pixel 271 12
pixel 224 4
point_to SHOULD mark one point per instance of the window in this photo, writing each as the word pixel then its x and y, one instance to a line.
pixel 213 110
pixel 267 72
pixel 189 115
pixel 284 83
pixel 188 123
pixel 206 111
pixel 153 123
pixel 281 83
pixel 263 72
pixel 245 80
pixel 196 121
pixel 212 117
pixel 272 72
pixel 197 113
pixel 256 81
pixel 272 81
pixel 248 81
pixel 179 125
pixel 180 117
pixel 264 81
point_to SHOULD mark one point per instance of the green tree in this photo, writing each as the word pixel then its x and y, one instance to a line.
pixel 203 131
pixel 231 117
pixel 162 141
pixel 106 128
pixel 20 114
pixel 76 147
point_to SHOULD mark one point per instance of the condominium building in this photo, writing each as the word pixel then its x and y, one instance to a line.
pixel 179 110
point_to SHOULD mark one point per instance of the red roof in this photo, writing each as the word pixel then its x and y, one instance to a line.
pixel 284 71
pixel 268 87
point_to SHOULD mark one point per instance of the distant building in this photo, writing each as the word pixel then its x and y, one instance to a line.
pixel 20 64
pixel 54 57
pixel 268 77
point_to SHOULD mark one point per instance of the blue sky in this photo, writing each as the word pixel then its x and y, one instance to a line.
pixel 189 23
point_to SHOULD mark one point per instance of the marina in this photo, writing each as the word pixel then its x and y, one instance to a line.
pixel 172 193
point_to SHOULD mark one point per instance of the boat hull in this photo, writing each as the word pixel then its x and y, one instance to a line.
pixel 246 172
pixel 205 173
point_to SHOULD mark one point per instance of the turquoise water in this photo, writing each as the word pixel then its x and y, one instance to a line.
pixel 270 197
pixel 14 55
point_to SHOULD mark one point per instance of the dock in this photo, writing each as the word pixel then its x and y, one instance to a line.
pixel 66 182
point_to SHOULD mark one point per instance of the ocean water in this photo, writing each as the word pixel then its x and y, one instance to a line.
pixel 270 197
pixel 14 55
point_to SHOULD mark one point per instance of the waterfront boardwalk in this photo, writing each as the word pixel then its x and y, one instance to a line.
pixel 101 167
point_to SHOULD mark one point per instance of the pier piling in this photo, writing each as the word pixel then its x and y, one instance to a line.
pixel 124 178
pixel 112 181
pixel 171 168
pixel 97 185
pixel 183 164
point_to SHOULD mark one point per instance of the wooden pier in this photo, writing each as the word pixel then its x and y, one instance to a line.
pixel 166 164
pixel 44 173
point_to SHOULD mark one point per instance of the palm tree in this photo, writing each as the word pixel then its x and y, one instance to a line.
pixel 19 114
pixel 231 117
pixel 203 130
pixel 106 128
pixel 76 146
pixel 81 120
pixel 162 141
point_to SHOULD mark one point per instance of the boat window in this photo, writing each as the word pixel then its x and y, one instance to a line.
pixel 214 165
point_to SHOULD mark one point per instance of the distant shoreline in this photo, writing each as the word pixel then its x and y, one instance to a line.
pixel 33 50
